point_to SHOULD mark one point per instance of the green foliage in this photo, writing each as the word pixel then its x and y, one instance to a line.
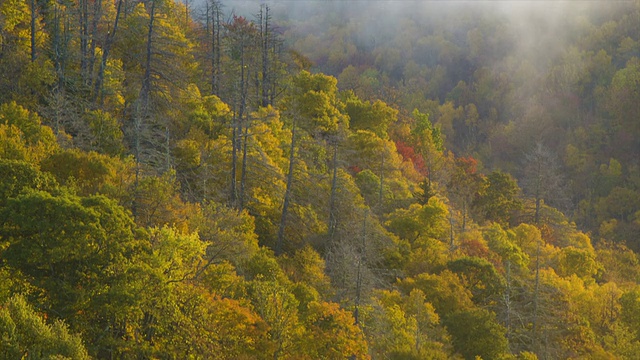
pixel 314 98
pixel 17 177
pixel 428 220
pixel 229 235
pixel 475 333
pixel 279 309
pixel 446 291
pixel 214 325
pixel 630 312
pixel 425 133
pixel 264 267
pixel 306 266
pixel 28 122
pixel 80 270
pixel 157 202
pixel 580 262
pixel 369 185
pixel 146 223
pixel 503 243
pixel 106 133
pixel 207 113
pixel 363 115
pixel 23 135
pixel 90 173
pixel 25 334
pixel 480 277
pixel 177 256
pixel 405 327
pixel 497 200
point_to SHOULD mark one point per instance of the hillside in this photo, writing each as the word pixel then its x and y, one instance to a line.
pixel 319 180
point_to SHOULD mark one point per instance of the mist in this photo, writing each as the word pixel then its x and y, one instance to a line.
pixel 539 28
pixel 515 61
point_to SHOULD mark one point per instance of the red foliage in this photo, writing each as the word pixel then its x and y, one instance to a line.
pixel 354 169
pixel 409 154
pixel 468 164
pixel 477 248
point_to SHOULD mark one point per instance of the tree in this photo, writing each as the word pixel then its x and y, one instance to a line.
pixel 27 73
pixel 497 200
pixel 445 290
pixel 312 106
pixel 623 97
pixel 480 277
pixel 155 201
pixel 18 177
pixel 268 57
pixel 630 309
pixel 25 334
pixel 542 179
pixel 400 326
pixel 90 173
pixel 242 36
pixel 202 324
pixel 515 262
pixel 229 235
pixel 279 309
pixel 331 333
pixel 98 90
pixel 476 333
pixel 420 220
pixel 463 185
pixel 25 138
pixel 83 271
pixel 384 177
pixel 159 71
pixel 427 139
pixel 364 115
pixel 306 266
pixel 214 43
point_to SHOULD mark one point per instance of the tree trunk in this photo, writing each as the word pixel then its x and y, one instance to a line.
pixel 507 300
pixel 265 34
pixel 536 301
pixel 380 192
pixel 97 90
pixel 84 38
pixel 59 50
pixel 333 221
pixel 287 192
pixel 234 161
pixel 97 14
pixel 237 131
pixel 451 239
pixel 142 107
pixel 356 312
pixel 243 176
pixel 213 20
pixel 34 16
pixel 146 80
pixel 464 215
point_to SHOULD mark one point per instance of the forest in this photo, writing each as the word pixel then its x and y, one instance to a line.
pixel 319 179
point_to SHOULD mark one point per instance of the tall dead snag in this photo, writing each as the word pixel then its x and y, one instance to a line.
pixel 241 35
pixel 108 43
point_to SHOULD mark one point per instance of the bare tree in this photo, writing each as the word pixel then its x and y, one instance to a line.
pixel 287 193
pixel 542 179
pixel 108 43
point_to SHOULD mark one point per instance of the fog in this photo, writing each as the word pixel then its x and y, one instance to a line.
pixel 540 28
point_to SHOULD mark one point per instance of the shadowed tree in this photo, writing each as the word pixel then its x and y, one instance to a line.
pixel 311 105
pixel 542 179
pixel 497 200
pixel 25 334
